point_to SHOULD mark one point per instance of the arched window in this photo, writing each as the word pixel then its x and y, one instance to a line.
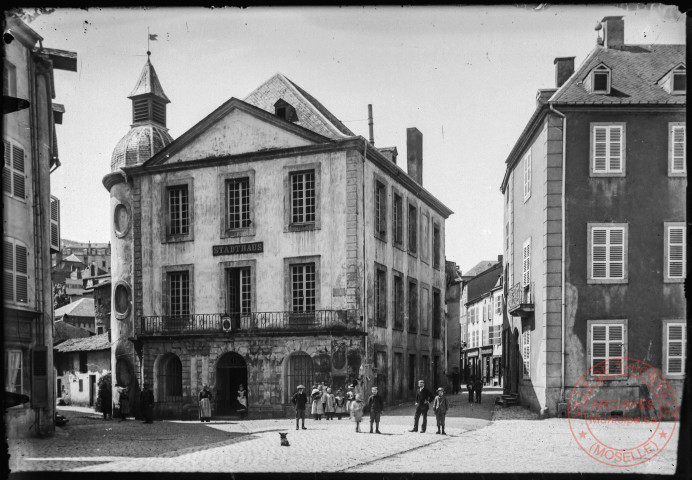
pixel 170 379
pixel 301 371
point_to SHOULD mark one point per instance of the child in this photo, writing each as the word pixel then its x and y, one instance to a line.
pixel 357 411
pixel 299 399
pixel 349 401
pixel 339 404
pixel 440 407
pixel 330 407
pixel 376 406
pixel 316 397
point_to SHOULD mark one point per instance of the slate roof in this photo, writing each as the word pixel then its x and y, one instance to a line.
pixel 84 307
pixel 73 258
pixel 636 69
pixel 484 282
pixel 480 267
pixel 87 344
pixel 65 331
pixel 311 113
pixel 148 82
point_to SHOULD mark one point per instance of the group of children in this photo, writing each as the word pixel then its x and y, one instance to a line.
pixel 323 402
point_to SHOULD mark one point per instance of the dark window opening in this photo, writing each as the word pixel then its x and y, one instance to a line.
pixel 600 82
pixel 83 367
pixel 679 82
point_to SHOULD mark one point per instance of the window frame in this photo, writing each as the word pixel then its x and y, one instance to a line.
pixel 412 230
pixel 680 70
pixel 412 304
pixel 601 69
pixel 426 310
pixel 288 172
pixel 590 324
pixel 15 273
pixel 20 370
pixel 166 297
pixel 526 263
pixel 11 172
pixel 436 245
pixel 166 187
pixel 667 226
pixel 224 182
pixel 526 354
pixel 528 171
pixel 607 171
pixel 590 252
pixel 380 208
pixel 665 358
pixel 224 267
pixel 9 78
pixel 672 171
pixel 436 301
pixel 289 263
pixel 398 300
pixel 379 304
pixel 398 220
pixel 424 231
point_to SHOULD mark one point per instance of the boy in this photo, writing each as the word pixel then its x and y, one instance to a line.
pixel 376 407
pixel 300 399
pixel 440 407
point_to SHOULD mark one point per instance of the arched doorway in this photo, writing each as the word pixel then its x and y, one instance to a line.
pixel 231 371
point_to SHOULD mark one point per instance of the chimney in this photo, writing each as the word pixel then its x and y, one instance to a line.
pixel 499 259
pixel 414 154
pixel 613 32
pixel 564 68
pixel 372 131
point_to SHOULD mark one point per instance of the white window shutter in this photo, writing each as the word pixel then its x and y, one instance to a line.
pixel 6 172
pixel 527 175
pixel 21 274
pixel 19 190
pixel 676 252
pixel 678 160
pixel 526 263
pixel 8 271
pixel 54 224
pixel 598 347
pixel 615 149
pixel 600 149
pixel 615 348
pixel 616 260
pixel 677 344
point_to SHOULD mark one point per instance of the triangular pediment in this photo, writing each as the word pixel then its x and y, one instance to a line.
pixel 235 128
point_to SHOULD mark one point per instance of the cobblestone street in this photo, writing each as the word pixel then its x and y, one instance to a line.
pixel 89 444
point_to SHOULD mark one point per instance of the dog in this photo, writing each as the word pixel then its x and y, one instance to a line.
pixel 284 440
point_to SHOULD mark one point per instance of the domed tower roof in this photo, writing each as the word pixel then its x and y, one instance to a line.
pixel 148 133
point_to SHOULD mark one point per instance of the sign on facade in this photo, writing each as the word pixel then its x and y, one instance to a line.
pixel 255 247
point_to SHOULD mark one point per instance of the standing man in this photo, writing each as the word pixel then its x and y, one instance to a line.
pixel 300 399
pixel 146 399
pixel 376 407
pixel 478 388
pixel 423 399
pixel 469 387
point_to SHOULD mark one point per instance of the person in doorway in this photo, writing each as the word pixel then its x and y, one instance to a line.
pixel 357 410
pixel 146 400
pixel 300 400
pixel 242 400
pixel 376 406
pixel 124 402
pixel 478 388
pixel 106 395
pixel 205 404
pixel 440 407
pixel 339 404
pixel 469 387
pixel 423 399
pixel 330 406
pixel 316 397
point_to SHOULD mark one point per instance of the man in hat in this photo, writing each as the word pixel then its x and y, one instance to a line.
pixel 300 399
pixel 146 399
pixel 440 407
pixel 423 399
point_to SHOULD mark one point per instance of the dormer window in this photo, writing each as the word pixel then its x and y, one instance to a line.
pixel 679 81
pixel 600 80
pixel 285 110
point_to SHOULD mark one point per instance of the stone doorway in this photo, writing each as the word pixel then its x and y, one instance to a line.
pixel 231 372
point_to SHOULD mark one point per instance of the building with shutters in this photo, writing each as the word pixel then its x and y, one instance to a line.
pixel 30 225
pixel 595 244
pixel 270 246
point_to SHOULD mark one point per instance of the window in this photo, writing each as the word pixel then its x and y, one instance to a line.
pixel 380 211
pixel 398 221
pixel 436 246
pixel 526 263
pixel 398 300
pixel 412 384
pixel 437 313
pixel 239 283
pixel 498 305
pixel 607 150
pixel 9 79
pixel 425 308
pixel 14 371
pixel 485 312
pixel 83 365
pixel 601 80
pixel 425 236
pixel 526 353
pixel 380 304
pixel 527 175
pixel 13 174
pixel 677 158
pixel 674 347
pixel 675 262
pixel 178 211
pixel 607 253
pixel 170 379
pixel 15 271
pixel 495 335
pixel 679 81
pixel 607 344
pixel 412 229
pixel 302 197
pixel 303 288
pixel 238 203
pixel 412 305
pixel 81 385
pixel 178 293
pixel 301 371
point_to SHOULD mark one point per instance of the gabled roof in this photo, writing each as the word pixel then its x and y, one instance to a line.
pixel 87 344
pixel 483 283
pixel 148 83
pixel 636 70
pixel 73 258
pixel 65 331
pixel 311 113
pixel 84 307
pixel 480 267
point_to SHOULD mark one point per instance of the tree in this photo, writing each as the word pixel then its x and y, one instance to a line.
pixel 104 398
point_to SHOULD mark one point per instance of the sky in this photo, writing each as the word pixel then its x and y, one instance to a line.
pixel 466 77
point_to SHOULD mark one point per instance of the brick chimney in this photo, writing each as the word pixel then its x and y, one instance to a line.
pixel 414 154
pixel 564 68
pixel 613 32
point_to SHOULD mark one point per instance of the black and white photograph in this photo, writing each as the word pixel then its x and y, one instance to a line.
pixel 373 241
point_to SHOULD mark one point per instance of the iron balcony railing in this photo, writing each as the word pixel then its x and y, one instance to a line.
pixel 210 323
pixel 520 299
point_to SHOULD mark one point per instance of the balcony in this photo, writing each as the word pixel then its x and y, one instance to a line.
pixel 520 300
pixel 254 323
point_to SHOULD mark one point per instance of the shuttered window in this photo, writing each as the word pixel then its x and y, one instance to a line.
pixel 526 352
pixel 54 224
pixel 14 174
pixel 608 147
pixel 678 158
pixel 675 348
pixel 607 348
pixel 526 262
pixel 380 296
pixel 380 211
pixel 527 176
pixel 15 271
pixel 676 251
pixel 608 253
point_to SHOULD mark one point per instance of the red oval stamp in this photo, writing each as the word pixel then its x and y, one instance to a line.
pixel 622 412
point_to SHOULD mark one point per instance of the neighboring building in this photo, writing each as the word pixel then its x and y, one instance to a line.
pixel 453 310
pixel 30 223
pixel 64 269
pixel 97 255
pixel 80 363
pixel 484 307
pixel 601 257
pixel 219 279
pixel 79 313
pixel 65 331
pixel 102 306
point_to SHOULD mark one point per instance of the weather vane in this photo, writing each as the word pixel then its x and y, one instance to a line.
pixel 150 37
